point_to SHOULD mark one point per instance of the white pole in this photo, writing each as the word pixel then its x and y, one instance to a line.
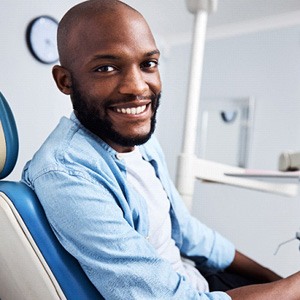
pixel 194 90
pixel 187 159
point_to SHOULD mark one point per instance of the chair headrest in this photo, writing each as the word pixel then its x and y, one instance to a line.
pixel 9 142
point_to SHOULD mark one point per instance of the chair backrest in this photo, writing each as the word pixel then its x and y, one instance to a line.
pixel 33 264
pixel 9 142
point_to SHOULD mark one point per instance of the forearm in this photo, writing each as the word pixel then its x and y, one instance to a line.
pixel 288 288
pixel 245 266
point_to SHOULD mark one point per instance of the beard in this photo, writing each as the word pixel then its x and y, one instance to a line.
pixel 90 117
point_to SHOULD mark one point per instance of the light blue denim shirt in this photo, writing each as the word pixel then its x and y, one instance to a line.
pixel 103 222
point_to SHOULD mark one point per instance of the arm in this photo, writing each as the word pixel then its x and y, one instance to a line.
pixel 274 287
pixel 243 265
pixel 288 288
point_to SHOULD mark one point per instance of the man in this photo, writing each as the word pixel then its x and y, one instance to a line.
pixel 103 182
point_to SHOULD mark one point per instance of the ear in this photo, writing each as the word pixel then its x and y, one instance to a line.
pixel 62 78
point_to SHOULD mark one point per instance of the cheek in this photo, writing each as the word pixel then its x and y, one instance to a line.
pixel 154 81
pixel 98 97
pixel 158 79
pixel 94 106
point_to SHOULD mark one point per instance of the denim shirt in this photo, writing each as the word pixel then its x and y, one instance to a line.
pixel 98 218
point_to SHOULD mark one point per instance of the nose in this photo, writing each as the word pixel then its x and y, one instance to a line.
pixel 133 82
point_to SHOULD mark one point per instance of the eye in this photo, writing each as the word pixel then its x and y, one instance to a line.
pixel 151 64
pixel 105 69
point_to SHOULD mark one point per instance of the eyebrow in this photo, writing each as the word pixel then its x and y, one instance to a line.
pixel 156 51
pixel 115 57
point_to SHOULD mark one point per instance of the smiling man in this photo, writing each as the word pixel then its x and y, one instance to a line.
pixel 102 179
pixel 115 94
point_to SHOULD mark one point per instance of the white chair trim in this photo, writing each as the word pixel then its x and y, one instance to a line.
pixel 19 251
pixel 2 148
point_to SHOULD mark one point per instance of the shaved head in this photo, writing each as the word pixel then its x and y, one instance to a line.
pixel 78 16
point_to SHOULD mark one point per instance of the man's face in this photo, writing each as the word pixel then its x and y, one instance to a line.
pixel 115 80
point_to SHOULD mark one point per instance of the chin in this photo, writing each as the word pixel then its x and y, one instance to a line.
pixel 131 141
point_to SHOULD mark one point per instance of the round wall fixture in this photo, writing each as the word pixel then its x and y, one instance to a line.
pixel 41 39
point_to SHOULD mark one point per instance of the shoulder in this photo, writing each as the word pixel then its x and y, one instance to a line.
pixel 70 148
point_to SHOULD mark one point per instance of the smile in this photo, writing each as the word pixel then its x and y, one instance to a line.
pixel 131 110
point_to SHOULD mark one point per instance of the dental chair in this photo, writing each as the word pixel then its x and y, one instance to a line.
pixel 33 264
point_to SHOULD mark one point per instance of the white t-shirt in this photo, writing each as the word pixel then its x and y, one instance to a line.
pixel 141 175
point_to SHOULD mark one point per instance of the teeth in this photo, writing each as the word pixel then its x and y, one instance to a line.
pixel 131 111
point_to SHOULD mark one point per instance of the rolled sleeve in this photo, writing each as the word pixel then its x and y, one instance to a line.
pixel 206 246
pixel 202 244
pixel 222 253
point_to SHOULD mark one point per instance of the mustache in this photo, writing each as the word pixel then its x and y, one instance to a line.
pixel 131 98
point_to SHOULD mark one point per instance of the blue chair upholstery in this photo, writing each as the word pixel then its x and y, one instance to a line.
pixel 70 277
pixel 10 133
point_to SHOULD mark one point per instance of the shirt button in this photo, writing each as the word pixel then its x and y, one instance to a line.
pixel 119 156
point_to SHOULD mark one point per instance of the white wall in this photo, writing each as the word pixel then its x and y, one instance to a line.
pixel 266 66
